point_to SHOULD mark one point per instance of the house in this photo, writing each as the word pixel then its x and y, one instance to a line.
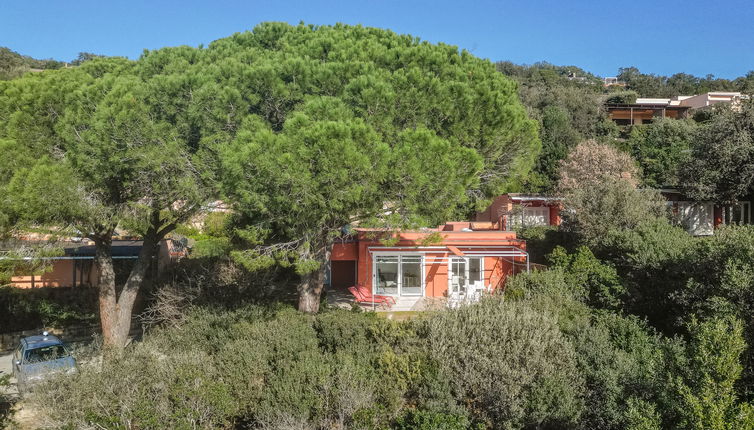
pixel 645 110
pixel 511 210
pixel 612 82
pixel 457 259
pixel 701 218
pixel 76 267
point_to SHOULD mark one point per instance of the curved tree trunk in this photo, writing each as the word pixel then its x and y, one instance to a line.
pixel 107 293
pixel 312 284
pixel 116 308
pixel 130 290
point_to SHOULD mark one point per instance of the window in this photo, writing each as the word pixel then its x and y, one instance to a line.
pixel 45 353
pixel 738 214
pixel 696 217
pixel 411 275
pixel 387 275
pixel 398 275
pixel 530 217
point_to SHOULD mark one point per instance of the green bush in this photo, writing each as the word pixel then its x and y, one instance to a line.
pixel 507 362
pixel 423 420
pixel 598 283
pixel 36 308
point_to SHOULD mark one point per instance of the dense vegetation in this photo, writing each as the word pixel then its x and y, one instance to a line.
pixel 633 324
pixel 303 129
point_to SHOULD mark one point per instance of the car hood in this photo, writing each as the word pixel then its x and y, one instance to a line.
pixel 48 367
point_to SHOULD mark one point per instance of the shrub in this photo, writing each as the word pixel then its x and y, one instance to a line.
pixel 597 282
pixel 508 363
pixel 708 394
pixel 27 309
pixel 6 403
pixel 423 420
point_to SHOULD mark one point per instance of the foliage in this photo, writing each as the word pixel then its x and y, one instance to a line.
pixel 253 368
pixel 423 420
pixel 661 148
pixel 6 403
pixel 601 286
pixel 567 103
pixel 708 393
pixel 621 97
pixel 592 211
pixel 721 166
pixel 591 163
pixel 485 371
pixel 13 64
pixel 360 125
pixel 649 85
pixel 29 309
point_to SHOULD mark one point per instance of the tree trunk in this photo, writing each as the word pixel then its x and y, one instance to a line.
pixel 107 294
pixel 116 308
pixel 310 288
pixel 130 290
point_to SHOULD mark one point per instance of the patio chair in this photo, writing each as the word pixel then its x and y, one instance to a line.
pixel 376 300
pixel 364 291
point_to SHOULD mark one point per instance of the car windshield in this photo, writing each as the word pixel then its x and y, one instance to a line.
pixel 45 353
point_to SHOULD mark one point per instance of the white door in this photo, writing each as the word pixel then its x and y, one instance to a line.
pixel 465 277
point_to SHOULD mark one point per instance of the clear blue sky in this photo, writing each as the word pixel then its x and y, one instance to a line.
pixel 663 37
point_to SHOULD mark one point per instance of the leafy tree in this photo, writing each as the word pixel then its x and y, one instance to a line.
pixel 558 138
pixel 661 148
pixel 586 209
pixel 599 283
pixel 708 391
pixel 721 167
pixel 379 130
pixel 84 57
pixel 591 163
pixel 110 156
pixel 621 97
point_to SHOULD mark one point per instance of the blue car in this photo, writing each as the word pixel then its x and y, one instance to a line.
pixel 38 357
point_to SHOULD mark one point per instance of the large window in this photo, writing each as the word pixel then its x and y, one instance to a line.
pixel 738 214
pixel 696 217
pixel 398 275
pixel 530 217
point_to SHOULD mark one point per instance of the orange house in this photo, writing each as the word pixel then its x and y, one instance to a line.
pixel 77 266
pixel 456 258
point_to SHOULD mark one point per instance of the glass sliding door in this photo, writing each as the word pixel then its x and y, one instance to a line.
pixel 411 275
pixel 387 275
pixel 398 275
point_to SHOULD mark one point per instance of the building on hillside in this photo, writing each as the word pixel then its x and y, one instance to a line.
pixel 612 82
pixel 458 259
pixel 702 218
pixel 509 211
pixel 76 267
pixel 646 110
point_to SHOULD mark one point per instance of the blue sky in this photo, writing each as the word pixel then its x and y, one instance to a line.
pixel 662 37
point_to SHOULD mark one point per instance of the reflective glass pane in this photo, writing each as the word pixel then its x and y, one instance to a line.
pixel 411 269
pixel 387 275
pixel 475 269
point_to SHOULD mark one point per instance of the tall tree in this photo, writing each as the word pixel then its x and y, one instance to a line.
pixel 99 153
pixel 355 124
pixel 661 148
pixel 721 166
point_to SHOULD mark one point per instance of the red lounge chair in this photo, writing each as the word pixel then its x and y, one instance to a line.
pixel 360 298
pixel 367 294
